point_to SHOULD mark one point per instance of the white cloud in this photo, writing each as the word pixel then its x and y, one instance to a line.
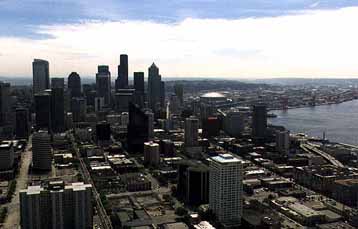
pixel 314 43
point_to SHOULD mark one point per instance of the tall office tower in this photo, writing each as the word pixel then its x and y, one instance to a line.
pixel 41 76
pixel 6 155
pixel 139 94
pixel 122 79
pixel 139 82
pixel 74 84
pixel 193 182
pixel 138 129
pixel 22 129
pixel 162 94
pixel 259 121
pixel 211 127
pixel 174 104
pixel 58 83
pixel 225 188
pixel 57 110
pixel 78 109
pixel 43 110
pixel 103 132
pixel 179 92
pixel 5 106
pixel 124 118
pixel 155 89
pixel 103 84
pixel 191 131
pixel 122 98
pixel 41 150
pixel 234 122
pixel 56 206
pixel 151 154
pixel 150 116
pixel 167 148
pixel 283 141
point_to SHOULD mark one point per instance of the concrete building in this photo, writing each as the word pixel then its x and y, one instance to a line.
pixel 41 151
pixel 283 141
pixel 225 188
pixel 191 131
pixel 6 155
pixel 57 206
pixel 41 76
pixel 151 153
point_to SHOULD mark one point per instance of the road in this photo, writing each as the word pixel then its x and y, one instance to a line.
pixel 13 218
pixel 312 149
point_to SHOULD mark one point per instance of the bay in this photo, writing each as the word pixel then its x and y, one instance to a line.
pixel 339 121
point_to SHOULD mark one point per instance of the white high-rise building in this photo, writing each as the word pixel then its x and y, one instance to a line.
pixel 57 206
pixel 225 188
pixel 191 131
pixel 41 75
pixel 151 153
pixel 283 141
pixel 41 151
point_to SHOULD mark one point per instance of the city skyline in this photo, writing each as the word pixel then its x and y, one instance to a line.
pixel 249 40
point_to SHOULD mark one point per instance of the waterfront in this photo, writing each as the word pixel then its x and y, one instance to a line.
pixel 339 121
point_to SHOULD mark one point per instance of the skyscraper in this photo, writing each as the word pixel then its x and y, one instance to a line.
pixel 6 155
pixel 122 79
pixel 283 141
pixel 43 110
pixel 22 129
pixel 103 84
pixel 78 109
pixel 151 153
pixel 5 107
pixel 41 151
pixel 259 121
pixel 179 92
pixel 155 89
pixel 41 76
pixel 57 110
pixel 191 131
pixel 138 129
pixel 58 83
pixel 139 81
pixel 139 94
pixel 225 188
pixel 74 85
pixel 56 206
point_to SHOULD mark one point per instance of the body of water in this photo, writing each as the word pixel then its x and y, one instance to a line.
pixel 339 121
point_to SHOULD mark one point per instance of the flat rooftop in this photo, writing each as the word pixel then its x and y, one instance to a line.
pixel 225 158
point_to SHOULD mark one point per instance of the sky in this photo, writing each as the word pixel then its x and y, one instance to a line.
pixel 246 39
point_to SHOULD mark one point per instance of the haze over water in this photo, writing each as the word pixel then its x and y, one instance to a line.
pixel 339 121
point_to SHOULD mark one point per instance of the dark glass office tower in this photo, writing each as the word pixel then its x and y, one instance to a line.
pixel 22 129
pixel 139 94
pixel 57 83
pixel 179 92
pixel 74 85
pixel 138 129
pixel 156 94
pixel 259 121
pixel 57 110
pixel 122 80
pixel 41 76
pixel 43 110
pixel 103 83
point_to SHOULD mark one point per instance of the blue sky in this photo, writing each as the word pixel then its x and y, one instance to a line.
pixel 39 27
